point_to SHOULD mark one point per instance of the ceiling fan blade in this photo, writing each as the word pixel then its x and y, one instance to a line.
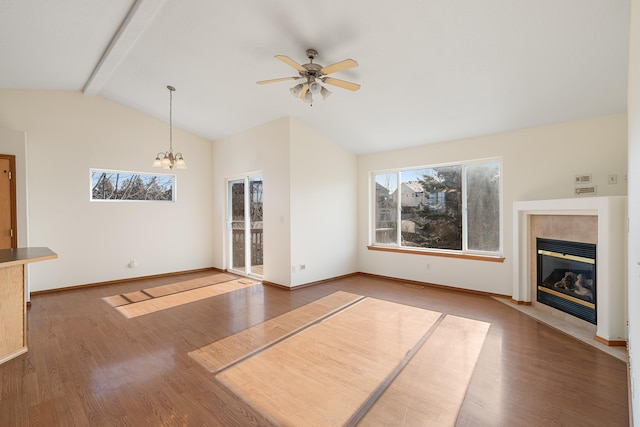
pixel 341 83
pixel 339 66
pixel 291 62
pixel 303 92
pixel 282 79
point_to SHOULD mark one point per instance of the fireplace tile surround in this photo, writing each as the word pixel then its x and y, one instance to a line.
pixel 598 220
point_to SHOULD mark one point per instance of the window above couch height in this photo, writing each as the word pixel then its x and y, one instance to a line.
pixel 453 208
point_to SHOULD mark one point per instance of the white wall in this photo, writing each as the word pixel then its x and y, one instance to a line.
pixel 69 133
pixel 633 109
pixel 265 149
pixel 538 163
pixel 309 200
pixel 323 207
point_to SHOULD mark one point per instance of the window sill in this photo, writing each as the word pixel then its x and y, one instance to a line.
pixel 487 258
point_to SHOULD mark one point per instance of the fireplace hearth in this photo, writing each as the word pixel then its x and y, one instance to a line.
pixel 566 276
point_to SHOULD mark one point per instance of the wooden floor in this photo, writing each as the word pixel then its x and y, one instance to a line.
pixel 88 365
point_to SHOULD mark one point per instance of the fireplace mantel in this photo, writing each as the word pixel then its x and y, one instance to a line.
pixel 611 255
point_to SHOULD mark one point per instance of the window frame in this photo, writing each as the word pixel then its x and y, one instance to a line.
pixel 465 252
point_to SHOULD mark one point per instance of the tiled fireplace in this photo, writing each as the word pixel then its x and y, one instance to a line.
pixel 595 225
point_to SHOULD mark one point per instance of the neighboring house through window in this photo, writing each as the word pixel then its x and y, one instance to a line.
pixel 454 207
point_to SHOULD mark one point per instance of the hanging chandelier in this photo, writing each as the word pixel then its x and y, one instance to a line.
pixel 169 160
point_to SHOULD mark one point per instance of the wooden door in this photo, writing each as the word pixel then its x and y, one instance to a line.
pixel 8 222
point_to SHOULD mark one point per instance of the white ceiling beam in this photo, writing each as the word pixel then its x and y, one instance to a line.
pixel 140 15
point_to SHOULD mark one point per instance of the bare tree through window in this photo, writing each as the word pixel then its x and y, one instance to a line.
pixel 108 185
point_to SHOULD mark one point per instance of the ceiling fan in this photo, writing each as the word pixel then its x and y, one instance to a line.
pixel 313 76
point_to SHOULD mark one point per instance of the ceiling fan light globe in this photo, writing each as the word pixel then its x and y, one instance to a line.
pixel 315 88
pixel 325 93
pixel 295 91
pixel 308 98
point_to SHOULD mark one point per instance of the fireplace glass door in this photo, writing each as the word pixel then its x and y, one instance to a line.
pixel 567 277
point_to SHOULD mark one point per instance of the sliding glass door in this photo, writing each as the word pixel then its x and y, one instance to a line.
pixel 245 252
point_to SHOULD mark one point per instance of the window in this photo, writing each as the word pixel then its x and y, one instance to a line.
pixel 108 185
pixel 451 208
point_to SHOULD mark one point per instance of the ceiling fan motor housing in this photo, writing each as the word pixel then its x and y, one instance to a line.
pixel 312 70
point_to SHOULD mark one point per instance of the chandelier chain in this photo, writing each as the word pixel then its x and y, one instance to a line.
pixel 171 89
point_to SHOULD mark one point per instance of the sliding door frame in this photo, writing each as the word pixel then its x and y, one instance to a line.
pixel 247 269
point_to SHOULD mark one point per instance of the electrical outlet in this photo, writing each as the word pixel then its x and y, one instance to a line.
pixel 613 178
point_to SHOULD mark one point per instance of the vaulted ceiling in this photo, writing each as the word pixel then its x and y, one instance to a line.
pixel 430 70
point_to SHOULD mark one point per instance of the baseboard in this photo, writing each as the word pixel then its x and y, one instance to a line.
pixel 434 285
pixel 277 285
pixel 389 278
pixel 13 355
pixel 118 281
pixel 306 285
pixel 610 343
pixel 520 302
